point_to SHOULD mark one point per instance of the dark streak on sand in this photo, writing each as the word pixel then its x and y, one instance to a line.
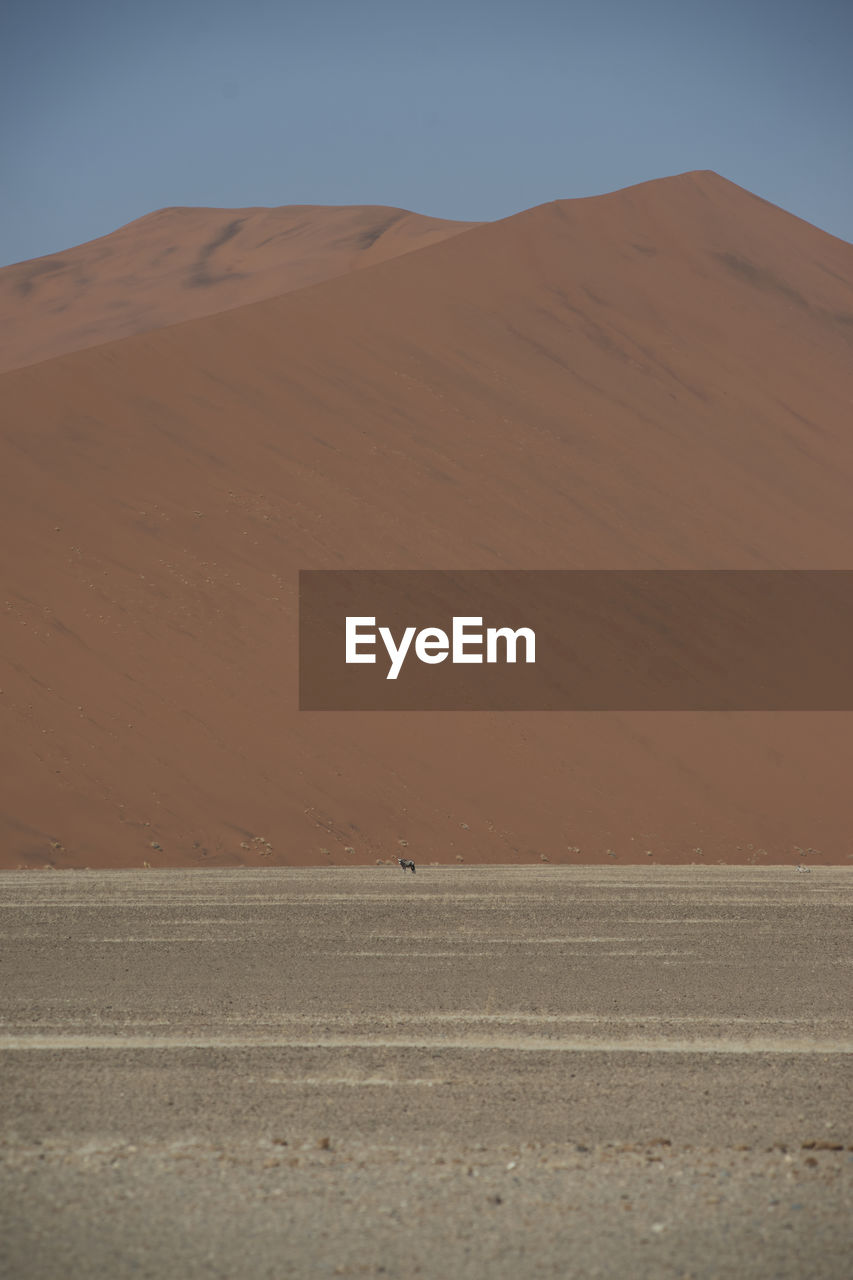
pixel 199 273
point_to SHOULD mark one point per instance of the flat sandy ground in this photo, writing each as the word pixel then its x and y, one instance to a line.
pixel 485 1072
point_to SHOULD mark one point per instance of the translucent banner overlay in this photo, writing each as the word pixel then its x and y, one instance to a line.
pixel 612 640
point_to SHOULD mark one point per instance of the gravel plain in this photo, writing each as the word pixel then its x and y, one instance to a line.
pixel 468 1072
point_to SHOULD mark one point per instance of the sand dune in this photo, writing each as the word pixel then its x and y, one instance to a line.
pixel 177 264
pixel 656 378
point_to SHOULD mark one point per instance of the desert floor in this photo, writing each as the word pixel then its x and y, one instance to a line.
pixel 478 1072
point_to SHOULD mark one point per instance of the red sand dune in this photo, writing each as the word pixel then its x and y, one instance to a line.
pixel 177 264
pixel 661 377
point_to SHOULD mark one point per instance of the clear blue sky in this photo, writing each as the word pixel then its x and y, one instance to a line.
pixel 474 109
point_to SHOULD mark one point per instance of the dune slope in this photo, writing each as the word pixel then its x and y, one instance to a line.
pixel 661 377
pixel 177 264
